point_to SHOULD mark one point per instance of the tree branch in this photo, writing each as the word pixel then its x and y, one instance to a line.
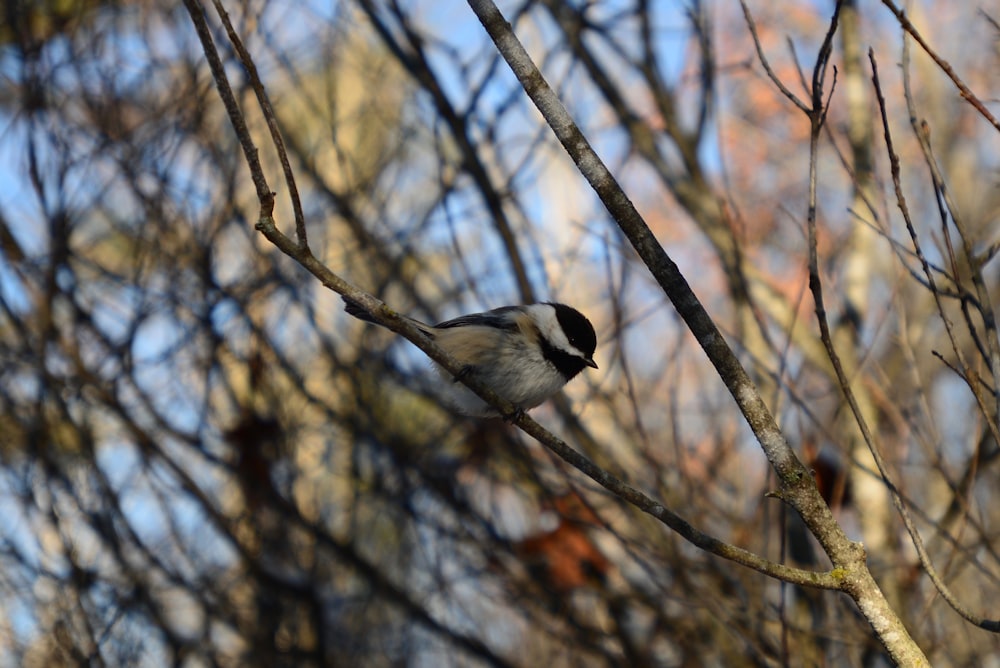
pixel 796 484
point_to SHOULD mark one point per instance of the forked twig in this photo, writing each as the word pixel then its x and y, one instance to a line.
pixel 272 123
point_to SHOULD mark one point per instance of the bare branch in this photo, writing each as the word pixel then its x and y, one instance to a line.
pixel 939 584
pixel 966 92
pixel 272 124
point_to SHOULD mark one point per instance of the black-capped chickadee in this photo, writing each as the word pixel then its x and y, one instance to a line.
pixel 524 353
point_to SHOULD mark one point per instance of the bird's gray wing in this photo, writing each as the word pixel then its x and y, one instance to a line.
pixel 498 318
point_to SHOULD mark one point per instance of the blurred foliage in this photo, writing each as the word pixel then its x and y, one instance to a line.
pixel 203 461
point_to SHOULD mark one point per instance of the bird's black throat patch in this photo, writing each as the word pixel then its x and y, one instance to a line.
pixel 567 364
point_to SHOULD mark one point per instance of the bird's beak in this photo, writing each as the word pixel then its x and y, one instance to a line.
pixel 591 363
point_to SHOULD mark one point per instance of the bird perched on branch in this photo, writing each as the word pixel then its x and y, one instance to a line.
pixel 524 353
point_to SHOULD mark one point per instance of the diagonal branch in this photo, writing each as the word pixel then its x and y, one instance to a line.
pixel 796 484
pixel 264 193
pixel 388 318
pixel 945 66
pixel 391 320
pixel 272 123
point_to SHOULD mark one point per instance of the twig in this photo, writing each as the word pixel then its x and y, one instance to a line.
pixel 966 92
pixel 272 124
pixel 984 302
pixel 918 544
pixel 239 123
pixel 775 79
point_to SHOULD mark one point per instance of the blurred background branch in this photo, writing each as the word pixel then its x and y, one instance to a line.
pixel 205 462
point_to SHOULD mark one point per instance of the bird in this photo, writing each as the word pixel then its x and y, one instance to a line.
pixel 525 353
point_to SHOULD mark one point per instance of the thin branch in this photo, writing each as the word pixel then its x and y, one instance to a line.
pixel 390 319
pixel 966 92
pixel 264 193
pixel 771 74
pixel 272 124
pixel 897 501
pixel 984 302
